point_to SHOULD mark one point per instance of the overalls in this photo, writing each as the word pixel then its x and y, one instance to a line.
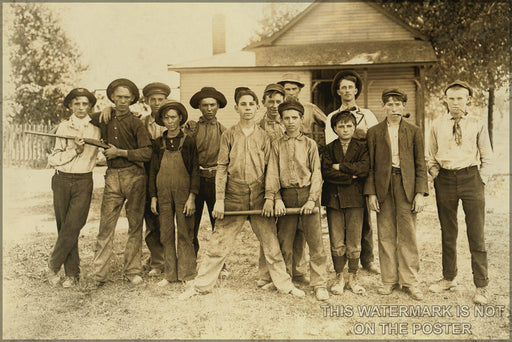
pixel 173 188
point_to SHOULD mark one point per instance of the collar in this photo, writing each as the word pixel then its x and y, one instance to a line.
pixel 389 125
pixel 299 137
pixel 77 123
pixel 352 109
pixel 343 143
pixel 122 116
pixel 268 119
pixel 151 119
pixel 180 134
pixel 204 121
pixel 461 118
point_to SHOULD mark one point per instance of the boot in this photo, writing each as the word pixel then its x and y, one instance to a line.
pixel 353 285
pixel 339 285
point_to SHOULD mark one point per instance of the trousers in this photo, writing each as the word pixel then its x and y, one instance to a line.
pixel 206 194
pixel 241 196
pixel 71 200
pixel 121 185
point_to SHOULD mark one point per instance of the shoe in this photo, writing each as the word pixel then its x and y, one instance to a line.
pixel 297 293
pixel 224 273
pixel 163 283
pixel 321 294
pixel 442 285
pixel 339 285
pixel 269 287
pixel 53 278
pixel 189 292
pixel 262 282
pixel 353 285
pixel 387 289
pixel 414 292
pixel 372 268
pixel 481 296
pixel 302 278
pixel 69 282
pixel 135 280
pixel 155 272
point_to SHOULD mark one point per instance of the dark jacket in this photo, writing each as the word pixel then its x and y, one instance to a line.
pixel 190 159
pixel 412 160
pixel 341 189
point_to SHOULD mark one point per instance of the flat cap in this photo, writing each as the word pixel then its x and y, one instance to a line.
pixel 156 88
pixel 208 92
pixel 241 91
pixel 344 113
pixel 343 74
pixel 459 83
pixel 171 105
pixel 394 92
pixel 124 82
pixel 290 104
pixel 291 78
pixel 79 92
pixel 274 87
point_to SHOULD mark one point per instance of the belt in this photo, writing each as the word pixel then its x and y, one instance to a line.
pixel 76 175
pixel 459 171
pixel 395 170
pixel 210 169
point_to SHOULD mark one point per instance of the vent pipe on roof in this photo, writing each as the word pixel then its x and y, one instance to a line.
pixel 218 33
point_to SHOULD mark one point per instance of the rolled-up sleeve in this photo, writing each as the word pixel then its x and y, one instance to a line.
pixel 221 176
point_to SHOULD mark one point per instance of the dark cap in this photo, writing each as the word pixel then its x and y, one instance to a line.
pixel 338 116
pixel 274 87
pixel 241 91
pixel 343 74
pixel 290 104
pixel 208 92
pixel 123 82
pixel 79 92
pixel 394 92
pixel 156 88
pixel 171 105
pixel 291 78
pixel 460 84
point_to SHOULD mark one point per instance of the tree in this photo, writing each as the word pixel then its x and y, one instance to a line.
pixel 275 17
pixel 471 40
pixel 45 64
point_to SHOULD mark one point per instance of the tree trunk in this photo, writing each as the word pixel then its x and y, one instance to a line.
pixel 490 115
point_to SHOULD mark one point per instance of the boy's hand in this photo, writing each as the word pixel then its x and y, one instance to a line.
pixel 113 152
pixel 373 203
pixel 418 203
pixel 190 205
pixel 279 207
pixel 307 208
pixel 106 113
pixel 154 202
pixel 218 209
pixel 268 208
pixel 79 142
pixel 336 167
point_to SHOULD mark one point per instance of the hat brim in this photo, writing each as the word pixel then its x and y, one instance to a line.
pixel 300 84
pixel 69 97
pixel 340 75
pixel 173 105
pixel 124 83
pixel 217 95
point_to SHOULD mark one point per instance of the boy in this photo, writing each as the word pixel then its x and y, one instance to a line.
pixel 345 165
pixel 396 185
pixel 173 185
pixel 294 179
pixel 243 157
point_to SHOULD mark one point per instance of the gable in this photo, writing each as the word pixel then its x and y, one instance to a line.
pixel 328 22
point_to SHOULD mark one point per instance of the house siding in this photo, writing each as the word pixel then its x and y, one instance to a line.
pixel 343 22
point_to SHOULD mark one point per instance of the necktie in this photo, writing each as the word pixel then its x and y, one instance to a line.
pixel 345 148
pixel 457 132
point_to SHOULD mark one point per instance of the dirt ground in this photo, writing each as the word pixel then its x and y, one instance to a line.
pixel 32 309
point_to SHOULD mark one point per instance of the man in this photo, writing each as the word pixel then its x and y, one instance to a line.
pixel 314 119
pixel 348 85
pixel 459 160
pixel 239 182
pixel 271 122
pixel 125 180
pixel 154 95
pixel 72 184
pixel 396 185
pixel 207 133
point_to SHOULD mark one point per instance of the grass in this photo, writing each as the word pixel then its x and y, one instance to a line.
pixel 32 309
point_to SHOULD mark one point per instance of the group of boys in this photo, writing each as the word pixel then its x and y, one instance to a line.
pixel 165 169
